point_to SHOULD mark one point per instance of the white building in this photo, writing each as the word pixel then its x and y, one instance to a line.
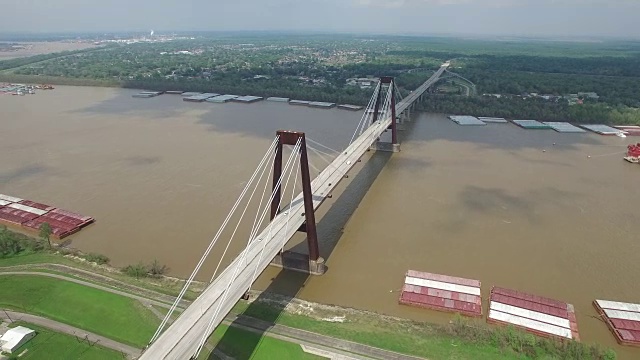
pixel 15 337
pixel 363 83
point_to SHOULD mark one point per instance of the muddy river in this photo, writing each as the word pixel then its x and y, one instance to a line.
pixel 496 203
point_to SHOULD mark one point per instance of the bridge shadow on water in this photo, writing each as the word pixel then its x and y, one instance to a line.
pixel 288 284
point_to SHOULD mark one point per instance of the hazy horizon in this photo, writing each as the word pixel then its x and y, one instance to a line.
pixel 518 18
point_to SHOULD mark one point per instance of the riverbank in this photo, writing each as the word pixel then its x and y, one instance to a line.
pixel 56 80
pixel 453 188
pixel 461 338
pixel 23 49
pixel 20 252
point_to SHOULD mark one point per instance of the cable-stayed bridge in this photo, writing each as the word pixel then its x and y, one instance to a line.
pixel 186 336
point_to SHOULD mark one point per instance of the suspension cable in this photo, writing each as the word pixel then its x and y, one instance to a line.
pixel 211 244
pixel 330 163
pixel 387 103
pixel 322 145
pixel 365 115
pixel 368 115
pixel 289 212
pixel 256 224
pixel 398 93
pixel 320 151
pixel 224 253
pixel 255 229
pixel 314 167
pixel 244 253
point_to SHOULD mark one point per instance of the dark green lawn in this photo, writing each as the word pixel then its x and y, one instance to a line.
pixel 114 316
pixel 56 346
pixel 240 344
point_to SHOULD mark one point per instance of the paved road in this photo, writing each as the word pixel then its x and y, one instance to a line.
pixel 67 329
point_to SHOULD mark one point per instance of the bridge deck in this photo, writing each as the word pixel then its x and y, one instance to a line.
pixel 406 102
pixel 181 339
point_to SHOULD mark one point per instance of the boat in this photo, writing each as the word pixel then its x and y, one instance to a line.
pixel 633 153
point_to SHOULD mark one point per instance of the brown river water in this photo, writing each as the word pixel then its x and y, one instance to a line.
pixel 160 175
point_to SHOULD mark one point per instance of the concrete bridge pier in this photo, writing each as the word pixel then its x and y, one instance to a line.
pixel 400 123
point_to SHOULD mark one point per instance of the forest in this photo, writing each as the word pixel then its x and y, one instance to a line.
pixel 317 67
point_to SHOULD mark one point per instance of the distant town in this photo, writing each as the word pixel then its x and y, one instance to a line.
pixel 344 68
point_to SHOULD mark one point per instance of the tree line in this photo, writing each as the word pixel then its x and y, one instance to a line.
pixel 531 108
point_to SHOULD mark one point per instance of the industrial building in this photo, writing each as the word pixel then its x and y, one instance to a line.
pixel 15 337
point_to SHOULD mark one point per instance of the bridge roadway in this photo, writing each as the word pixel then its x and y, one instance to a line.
pixel 180 340
pixel 411 98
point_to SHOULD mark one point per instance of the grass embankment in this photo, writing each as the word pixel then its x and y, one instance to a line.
pixel 398 337
pixel 462 339
pixel 240 344
pixel 161 285
pixel 125 320
pixel 114 316
pixel 56 346
pixel 17 249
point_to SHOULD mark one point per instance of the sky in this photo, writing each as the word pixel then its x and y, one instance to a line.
pixel 563 18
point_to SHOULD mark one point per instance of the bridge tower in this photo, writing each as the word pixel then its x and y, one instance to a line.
pixel 394 145
pixel 313 263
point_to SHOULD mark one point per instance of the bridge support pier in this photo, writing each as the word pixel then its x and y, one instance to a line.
pixel 394 145
pixel 407 114
pixel 400 123
pixel 312 263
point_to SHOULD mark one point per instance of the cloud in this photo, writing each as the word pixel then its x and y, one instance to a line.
pixel 416 3
pixel 495 3
pixel 487 17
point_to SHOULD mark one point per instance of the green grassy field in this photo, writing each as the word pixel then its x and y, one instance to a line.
pixel 399 337
pixel 114 316
pixel 465 339
pixel 51 258
pixel 55 346
pixel 240 344
pixel 34 258
pixel 126 320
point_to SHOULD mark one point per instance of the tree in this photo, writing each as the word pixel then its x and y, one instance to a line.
pixel 45 232
pixel 156 269
pixel 138 270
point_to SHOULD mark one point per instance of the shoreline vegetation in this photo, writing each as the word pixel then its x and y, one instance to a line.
pixel 18 251
pixel 508 108
pixel 462 338
pixel 546 81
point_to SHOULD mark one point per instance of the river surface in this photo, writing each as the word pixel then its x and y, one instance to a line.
pixel 488 203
